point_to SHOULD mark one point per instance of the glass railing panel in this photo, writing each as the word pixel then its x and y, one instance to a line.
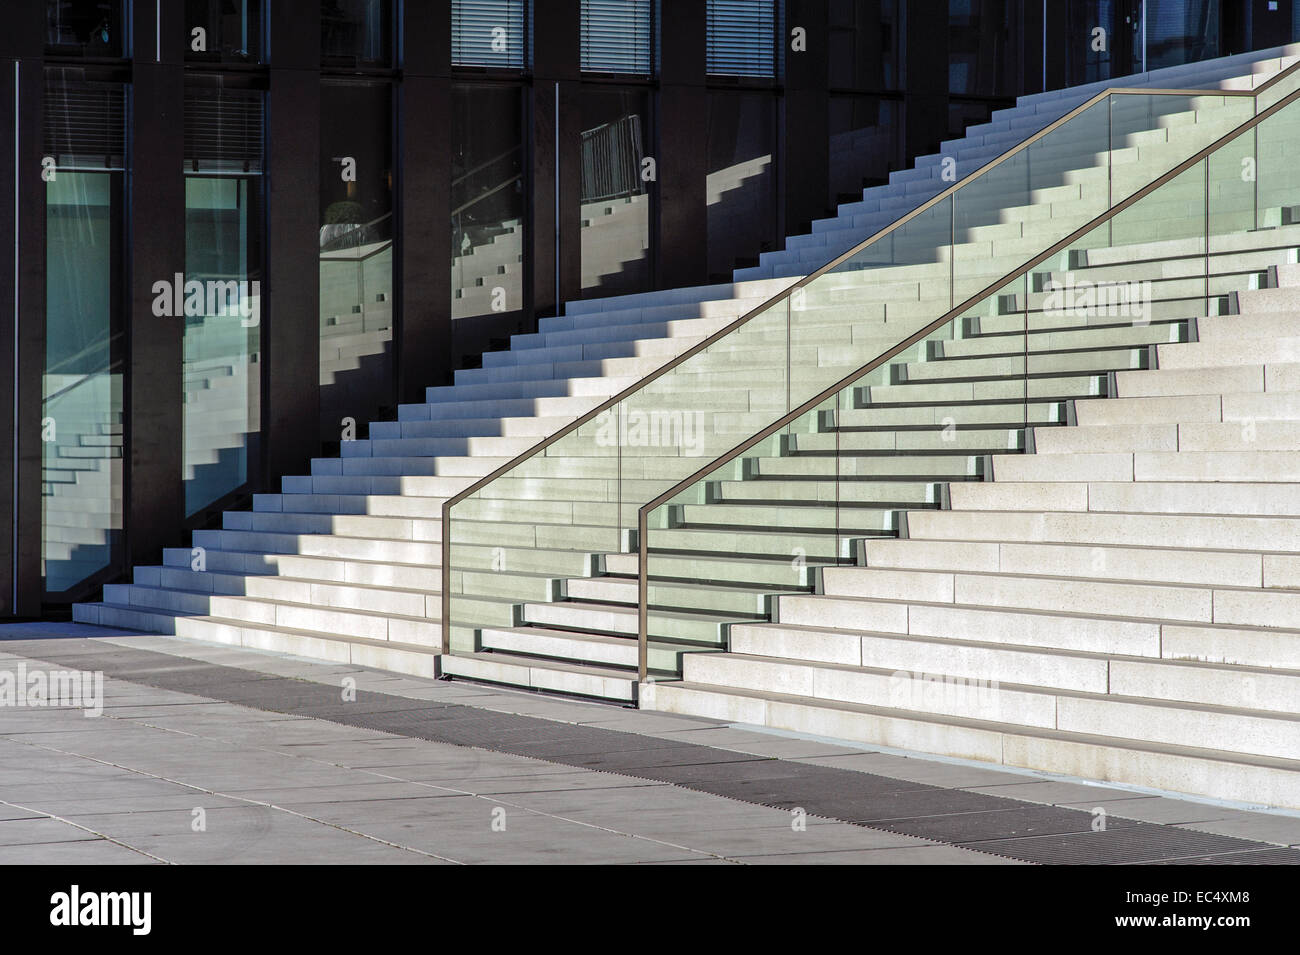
pixel 1151 134
pixel 1030 199
pixel 1273 92
pixel 668 430
pixel 1277 151
pixel 870 301
pixel 768 524
pixel 556 514
pixel 1128 286
pixel 1233 189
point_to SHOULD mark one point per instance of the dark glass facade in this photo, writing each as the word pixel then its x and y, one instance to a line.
pixel 236 231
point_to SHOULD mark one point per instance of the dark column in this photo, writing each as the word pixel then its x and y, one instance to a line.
pixel 804 122
pixel 155 492
pixel 22 300
pixel 556 69
pixel 423 162
pixel 682 149
pixel 291 374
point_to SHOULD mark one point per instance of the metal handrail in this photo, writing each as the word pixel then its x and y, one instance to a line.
pixel 786 294
pixel 645 510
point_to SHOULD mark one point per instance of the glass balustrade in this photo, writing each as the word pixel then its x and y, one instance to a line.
pixel 569 507
pixel 931 420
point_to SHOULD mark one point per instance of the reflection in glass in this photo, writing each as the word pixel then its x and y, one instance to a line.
pixel 864 45
pixel 221 301
pixel 982 40
pixel 356 257
pixel 230 30
pixel 741 183
pixel 1101 41
pixel 487 201
pixel 84 27
pixel 356 31
pixel 81 427
pixel 222 339
pixel 615 204
pixel 1181 31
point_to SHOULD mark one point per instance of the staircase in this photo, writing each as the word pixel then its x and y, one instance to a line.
pixel 345 563
pixel 907 189
pixel 758 536
pixel 1122 604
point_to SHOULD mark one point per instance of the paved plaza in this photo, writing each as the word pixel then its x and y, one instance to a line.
pixel 210 754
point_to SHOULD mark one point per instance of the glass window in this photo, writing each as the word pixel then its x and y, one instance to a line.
pixel 356 258
pixel 1185 31
pixel 487 200
pixel 616 36
pixel 1100 41
pixel 864 45
pixel 221 299
pixel 356 32
pixel 84 28
pixel 615 202
pixel 491 33
pixel 741 38
pixel 982 49
pixel 223 30
pixel 81 415
pixel 741 182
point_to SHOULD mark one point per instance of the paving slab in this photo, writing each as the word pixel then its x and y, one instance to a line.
pixel 88 852
pixel 418 772
pixel 911 855
pixel 1262 827
pixel 25 832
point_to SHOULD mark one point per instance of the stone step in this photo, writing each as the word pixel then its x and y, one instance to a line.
pixel 536 674
pixel 1192 770
pixel 1186 603
pixel 380 625
pixel 1210 436
pixel 1244 532
pixel 696 628
pixel 718 597
pixel 1234 379
pixel 1150 563
pixel 1250 466
pixel 584 648
pixel 947 693
pixel 417 660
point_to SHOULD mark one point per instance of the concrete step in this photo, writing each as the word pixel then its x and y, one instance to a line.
pixel 536 674
pixel 1192 770
pixel 949 691
pixel 1151 563
pixel 417 660
pixel 1249 533
pixel 591 649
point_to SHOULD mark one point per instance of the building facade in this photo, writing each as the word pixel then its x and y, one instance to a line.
pixel 236 231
